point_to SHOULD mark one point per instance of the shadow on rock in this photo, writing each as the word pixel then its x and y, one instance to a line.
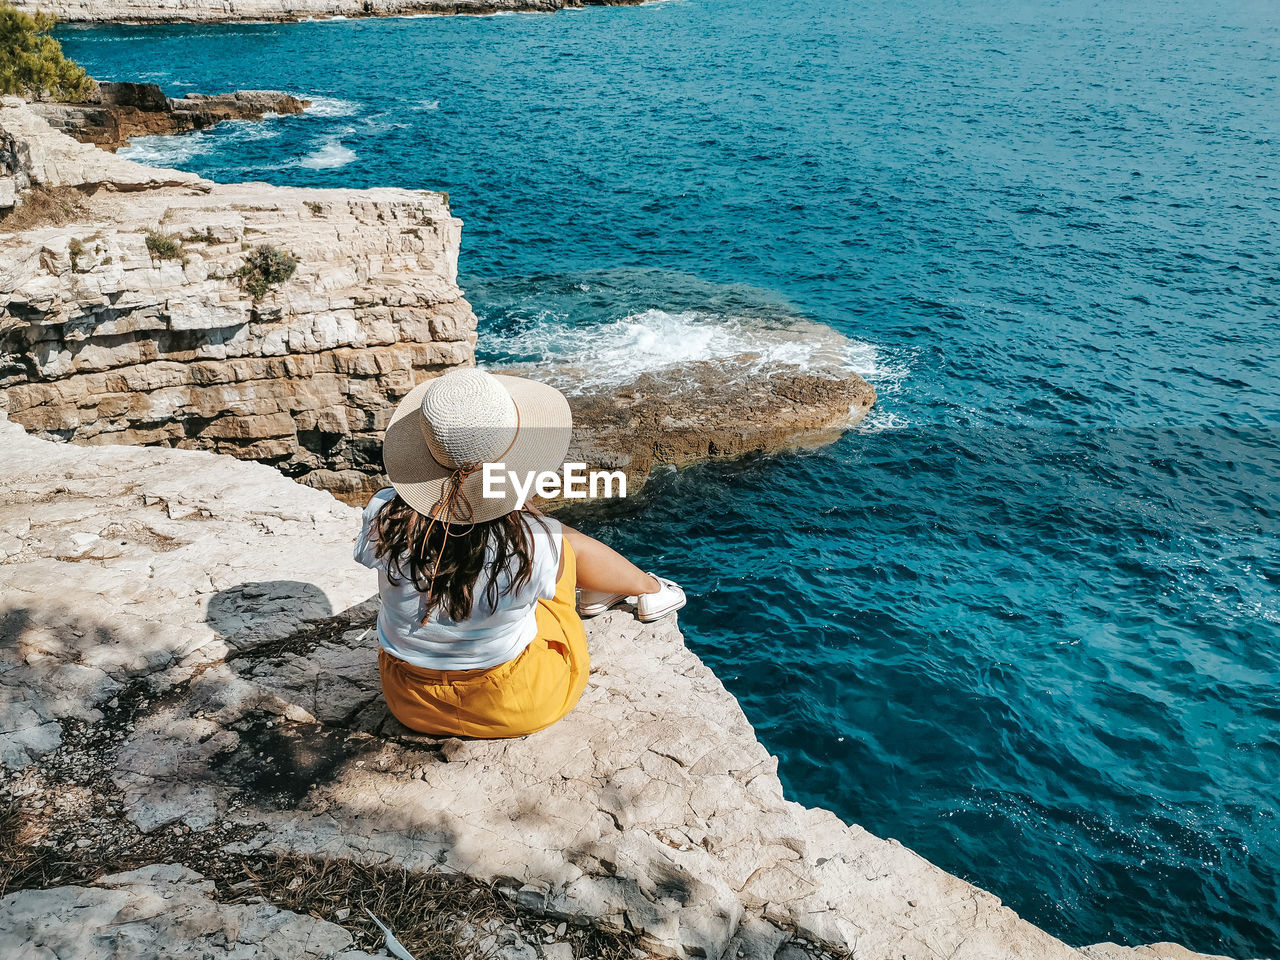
pixel 264 610
pixel 628 815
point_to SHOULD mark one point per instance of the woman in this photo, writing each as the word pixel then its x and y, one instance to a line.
pixel 478 632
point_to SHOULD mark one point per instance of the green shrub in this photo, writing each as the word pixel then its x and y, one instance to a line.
pixel 163 246
pixel 264 268
pixel 31 61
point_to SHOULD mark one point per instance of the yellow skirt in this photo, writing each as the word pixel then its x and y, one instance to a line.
pixel 520 696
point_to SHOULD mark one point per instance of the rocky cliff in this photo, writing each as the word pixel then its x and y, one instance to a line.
pixel 153 307
pixel 188 677
pixel 136 307
pixel 200 11
pixel 114 112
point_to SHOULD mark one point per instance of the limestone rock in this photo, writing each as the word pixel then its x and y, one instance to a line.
pixel 160 911
pixel 32 153
pixel 115 112
pixel 1154 951
pixel 172 596
pixel 134 323
pixel 651 807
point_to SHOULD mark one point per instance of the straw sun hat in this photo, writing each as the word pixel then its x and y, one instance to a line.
pixel 445 431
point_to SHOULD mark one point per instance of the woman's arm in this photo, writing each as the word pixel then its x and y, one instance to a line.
pixel 603 569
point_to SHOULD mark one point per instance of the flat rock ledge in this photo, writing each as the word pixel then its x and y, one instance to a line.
pixel 195 628
pixel 713 410
pixel 211 11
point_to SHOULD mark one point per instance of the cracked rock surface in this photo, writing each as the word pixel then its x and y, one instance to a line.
pixel 222 598
pixel 160 911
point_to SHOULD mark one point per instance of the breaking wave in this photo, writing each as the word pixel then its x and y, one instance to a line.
pixel 331 107
pixel 178 150
pixel 329 157
pixel 657 341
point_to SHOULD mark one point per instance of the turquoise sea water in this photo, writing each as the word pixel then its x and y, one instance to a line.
pixel 1027 619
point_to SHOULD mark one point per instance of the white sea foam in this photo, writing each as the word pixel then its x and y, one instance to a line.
pixel 329 157
pixel 578 359
pixel 178 150
pixel 658 341
pixel 379 124
pixel 331 107
pixel 424 105
pixel 166 151
pixel 887 373
pixel 880 420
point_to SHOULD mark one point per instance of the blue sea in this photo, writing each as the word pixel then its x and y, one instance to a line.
pixel 1026 618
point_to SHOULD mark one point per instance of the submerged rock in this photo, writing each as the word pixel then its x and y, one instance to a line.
pixel 116 112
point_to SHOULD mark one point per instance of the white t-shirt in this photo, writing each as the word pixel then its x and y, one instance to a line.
pixel 492 634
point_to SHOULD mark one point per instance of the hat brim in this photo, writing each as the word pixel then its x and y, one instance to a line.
pixel 541 442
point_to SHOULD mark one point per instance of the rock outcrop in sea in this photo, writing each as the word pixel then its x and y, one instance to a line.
pixel 135 307
pixel 115 112
pixel 207 11
pixel 189 686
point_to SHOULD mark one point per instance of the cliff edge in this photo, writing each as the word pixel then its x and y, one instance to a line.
pixel 189 675
pixel 279 324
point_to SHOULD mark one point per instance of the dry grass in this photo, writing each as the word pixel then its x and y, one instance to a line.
pixel 45 207
pixel 427 910
pixel 75 801
pixel 18 859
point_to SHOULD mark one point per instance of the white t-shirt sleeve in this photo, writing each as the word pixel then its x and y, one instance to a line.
pixel 548 541
pixel 367 541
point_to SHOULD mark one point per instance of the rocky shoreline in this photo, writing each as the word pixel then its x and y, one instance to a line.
pixel 116 112
pixel 198 702
pixel 285 11
pixel 137 315
pixel 189 684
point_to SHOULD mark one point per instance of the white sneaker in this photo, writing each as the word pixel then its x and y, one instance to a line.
pixel 592 603
pixel 655 606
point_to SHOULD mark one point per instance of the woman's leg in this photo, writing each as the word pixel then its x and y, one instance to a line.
pixel 605 570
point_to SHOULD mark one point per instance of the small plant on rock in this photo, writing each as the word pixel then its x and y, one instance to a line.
pixel 208 236
pixel 163 246
pixel 266 267
pixel 76 249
